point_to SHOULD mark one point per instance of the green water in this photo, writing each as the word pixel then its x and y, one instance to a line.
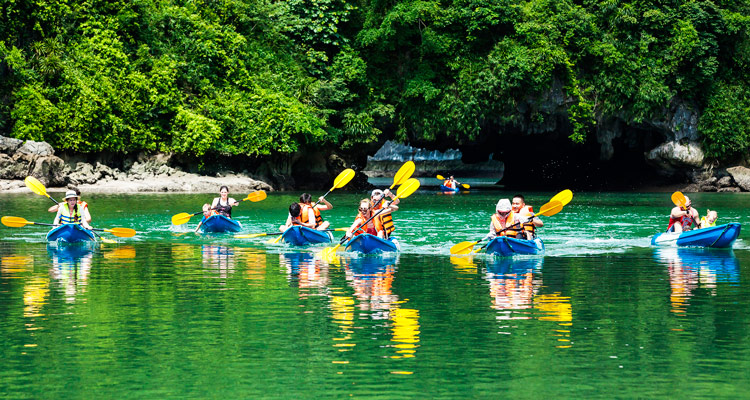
pixel 169 314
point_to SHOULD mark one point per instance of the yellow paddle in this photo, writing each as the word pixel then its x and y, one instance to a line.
pixel 464 185
pixel 563 197
pixel 17 222
pixel 401 176
pixel 344 177
pixel 548 210
pixel 405 190
pixel 181 218
pixel 37 187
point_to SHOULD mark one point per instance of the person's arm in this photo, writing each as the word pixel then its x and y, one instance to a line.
pixel 57 217
pixel 492 234
pixel 537 222
pixel 85 215
pixel 394 202
pixel 355 225
pixel 233 202
pixel 678 212
pixel 310 219
pixel 324 204
pixel 54 208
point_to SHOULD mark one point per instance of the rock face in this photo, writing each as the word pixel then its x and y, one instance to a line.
pixel 673 156
pixel 741 175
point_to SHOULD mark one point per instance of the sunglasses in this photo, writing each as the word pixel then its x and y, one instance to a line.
pixel 503 212
pixel 364 209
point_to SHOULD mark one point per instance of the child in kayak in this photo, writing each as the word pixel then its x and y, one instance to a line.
pixel 709 220
pixel 207 212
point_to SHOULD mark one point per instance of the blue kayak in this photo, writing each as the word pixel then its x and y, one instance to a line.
pixel 70 233
pixel 220 224
pixel 505 246
pixel 720 237
pixel 446 189
pixel 302 236
pixel 369 244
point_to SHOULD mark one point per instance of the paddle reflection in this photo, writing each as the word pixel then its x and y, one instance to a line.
pixel 690 268
pixel 512 285
pixel 71 266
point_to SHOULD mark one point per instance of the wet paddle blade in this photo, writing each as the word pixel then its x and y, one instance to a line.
pixel 277 240
pixel 403 173
pixel 250 236
pixel 255 196
pixel 550 209
pixel 679 199
pixel 181 218
pixel 35 186
pixel 440 177
pixel 15 222
pixel 407 188
pixel 344 177
pixel 121 232
pixel 329 252
pixel 463 248
pixel 563 197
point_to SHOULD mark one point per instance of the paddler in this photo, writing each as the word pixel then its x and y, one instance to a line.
pixel 305 202
pixel 374 226
pixel 683 218
pixel 71 212
pixel 377 198
pixel 450 183
pixel 295 217
pixel 82 204
pixel 525 214
pixel 207 212
pixel 223 204
pixel 503 221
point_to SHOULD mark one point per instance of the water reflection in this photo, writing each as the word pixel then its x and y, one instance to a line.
pixel 306 271
pixel 218 260
pixel 71 266
pixel 372 281
pixel 512 285
pixel 690 268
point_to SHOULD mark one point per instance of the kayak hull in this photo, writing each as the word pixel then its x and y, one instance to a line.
pixel 220 224
pixel 718 237
pixel 371 244
pixel 506 247
pixel 446 189
pixel 304 236
pixel 70 233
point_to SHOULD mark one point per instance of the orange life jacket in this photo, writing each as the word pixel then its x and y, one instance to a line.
pixel 385 220
pixel 509 221
pixel 525 213
pixel 449 184
pixel 303 214
pixel 372 227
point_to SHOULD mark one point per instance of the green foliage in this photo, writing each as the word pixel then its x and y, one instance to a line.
pixel 725 123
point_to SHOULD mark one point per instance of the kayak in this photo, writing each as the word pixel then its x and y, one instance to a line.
pixel 446 189
pixel 70 233
pixel 505 246
pixel 369 244
pixel 302 236
pixel 720 236
pixel 220 224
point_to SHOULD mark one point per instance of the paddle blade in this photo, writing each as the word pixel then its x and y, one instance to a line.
pixel 440 177
pixel 14 222
pixel 35 186
pixel 121 232
pixel 181 218
pixel 466 185
pixel 463 247
pixel 403 173
pixel 550 209
pixel 329 252
pixel 277 240
pixel 255 196
pixel 563 197
pixel 407 188
pixel 344 177
pixel 679 199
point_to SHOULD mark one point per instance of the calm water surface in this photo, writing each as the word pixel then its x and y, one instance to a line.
pixel 173 314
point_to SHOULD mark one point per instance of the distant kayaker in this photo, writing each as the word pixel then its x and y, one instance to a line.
pixel 223 204
pixel 305 201
pixel 525 214
pixel 295 217
pixel 377 198
pixel 451 183
pixel 710 219
pixel 207 212
pixel 374 226
pixel 503 221
pixel 683 218
pixel 82 204
pixel 71 212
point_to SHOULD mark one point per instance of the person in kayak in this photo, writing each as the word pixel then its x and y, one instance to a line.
pixel 377 198
pixel 525 214
pixel 71 212
pixel 503 221
pixel 310 213
pixel 207 212
pixel 683 218
pixel 374 226
pixel 295 217
pixel 223 204
pixel 451 183
pixel 709 220
pixel 82 204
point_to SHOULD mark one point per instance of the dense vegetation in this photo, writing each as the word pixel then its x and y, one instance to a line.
pixel 254 77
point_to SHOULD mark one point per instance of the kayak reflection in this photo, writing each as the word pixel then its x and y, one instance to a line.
pixel 690 268
pixel 512 285
pixel 71 266
pixel 372 281
pixel 307 272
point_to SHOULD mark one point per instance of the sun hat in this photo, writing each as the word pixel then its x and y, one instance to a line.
pixel 377 193
pixel 503 205
pixel 70 193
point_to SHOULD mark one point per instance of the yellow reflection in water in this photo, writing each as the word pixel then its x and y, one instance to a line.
pixel 120 253
pixel 35 294
pixel 405 332
pixel 11 265
pixel 342 308
pixel 464 265
pixel 255 263
pixel 557 308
